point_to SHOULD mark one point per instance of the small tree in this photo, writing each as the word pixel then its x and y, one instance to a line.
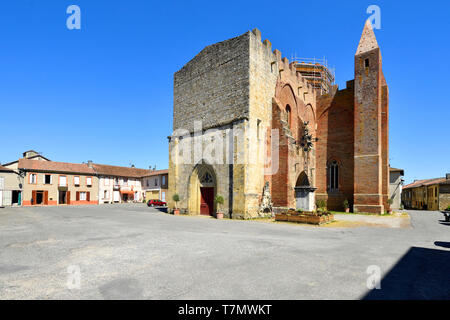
pixel 176 198
pixel 346 204
pixel 390 201
pixel 218 199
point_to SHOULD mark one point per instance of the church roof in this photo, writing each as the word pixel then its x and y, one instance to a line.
pixel 368 40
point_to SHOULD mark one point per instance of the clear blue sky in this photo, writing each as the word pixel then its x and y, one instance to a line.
pixel 104 93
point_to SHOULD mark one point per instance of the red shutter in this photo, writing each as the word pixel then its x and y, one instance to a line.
pixel 33 197
pixel 45 197
pixel 68 197
pixel 88 196
pixel 78 196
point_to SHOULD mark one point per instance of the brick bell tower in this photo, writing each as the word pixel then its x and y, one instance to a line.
pixel 371 174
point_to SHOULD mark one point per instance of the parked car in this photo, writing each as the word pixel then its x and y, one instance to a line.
pixel 156 203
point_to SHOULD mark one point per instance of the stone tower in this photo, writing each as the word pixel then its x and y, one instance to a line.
pixel 370 127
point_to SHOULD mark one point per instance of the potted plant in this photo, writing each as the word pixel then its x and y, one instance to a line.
pixel 176 198
pixel 346 206
pixel 390 202
pixel 218 199
pixel 321 205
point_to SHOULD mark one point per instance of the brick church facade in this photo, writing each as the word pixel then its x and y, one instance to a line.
pixel 250 127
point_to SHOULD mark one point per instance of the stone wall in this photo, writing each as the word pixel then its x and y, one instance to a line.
pixel 214 86
pixel 444 196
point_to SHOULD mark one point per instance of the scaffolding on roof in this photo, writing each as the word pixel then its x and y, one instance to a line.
pixel 316 72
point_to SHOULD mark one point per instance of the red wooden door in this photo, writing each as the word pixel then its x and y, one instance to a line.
pixel 207 201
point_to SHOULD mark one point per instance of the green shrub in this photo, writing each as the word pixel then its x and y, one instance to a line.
pixel 321 204
pixel 176 198
pixel 346 204
pixel 448 208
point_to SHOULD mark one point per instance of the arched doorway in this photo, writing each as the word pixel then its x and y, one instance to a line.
pixel 202 190
pixel 304 193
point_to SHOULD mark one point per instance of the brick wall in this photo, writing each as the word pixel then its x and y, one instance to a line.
pixel 335 131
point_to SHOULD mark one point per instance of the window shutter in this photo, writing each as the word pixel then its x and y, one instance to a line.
pixel 88 196
pixel 78 196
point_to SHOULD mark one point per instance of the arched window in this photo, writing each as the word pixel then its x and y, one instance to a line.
pixel 333 175
pixel 288 113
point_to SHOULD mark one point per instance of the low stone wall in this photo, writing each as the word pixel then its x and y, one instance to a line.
pixel 308 218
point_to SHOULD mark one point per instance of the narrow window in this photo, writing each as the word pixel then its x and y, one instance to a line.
pixel 334 176
pixel 288 112
pixel 366 63
pixel 89 181
pixel 76 181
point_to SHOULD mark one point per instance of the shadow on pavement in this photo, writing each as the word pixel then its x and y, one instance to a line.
pixel 442 244
pixel 445 223
pixel 420 274
pixel 162 209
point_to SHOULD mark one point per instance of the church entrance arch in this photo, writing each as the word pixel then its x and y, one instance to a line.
pixel 202 190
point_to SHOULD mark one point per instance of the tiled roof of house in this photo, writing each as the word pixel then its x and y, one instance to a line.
pixel 156 172
pixel 4 169
pixel 52 166
pixel 426 182
pixel 107 170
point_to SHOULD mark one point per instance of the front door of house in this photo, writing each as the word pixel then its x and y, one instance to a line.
pixel 206 200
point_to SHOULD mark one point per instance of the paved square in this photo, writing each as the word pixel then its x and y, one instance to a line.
pixel 135 252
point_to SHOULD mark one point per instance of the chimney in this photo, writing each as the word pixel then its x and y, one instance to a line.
pixel 132 165
pixel 89 163
pixel 447 176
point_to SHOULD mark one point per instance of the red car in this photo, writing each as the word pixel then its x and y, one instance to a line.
pixel 156 203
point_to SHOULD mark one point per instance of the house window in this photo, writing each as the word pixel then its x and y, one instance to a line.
pixel 48 179
pixel 164 180
pixel 125 181
pixel 148 183
pixel 76 181
pixel 105 195
pixel 156 182
pixel 366 63
pixel 333 175
pixel 89 181
pixel 82 196
pixel 106 181
pixel 33 178
pixel 63 181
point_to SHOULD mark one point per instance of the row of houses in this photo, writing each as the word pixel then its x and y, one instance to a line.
pixel 36 180
pixel 427 194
